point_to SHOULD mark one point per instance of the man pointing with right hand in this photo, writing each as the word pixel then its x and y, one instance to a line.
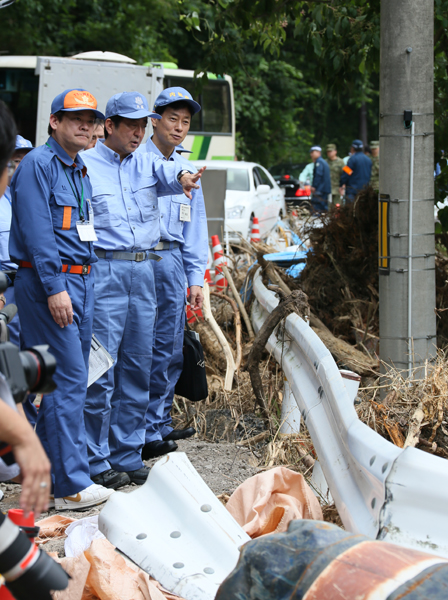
pixel 126 185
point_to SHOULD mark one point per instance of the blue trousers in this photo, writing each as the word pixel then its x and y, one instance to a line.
pixel 15 337
pixel 125 314
pixel 60 424
pixel 319 204
pixel 167 358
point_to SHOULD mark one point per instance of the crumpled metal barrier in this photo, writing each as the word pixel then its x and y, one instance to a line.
pixel 379 489
pixel 175 529
pixel 315 560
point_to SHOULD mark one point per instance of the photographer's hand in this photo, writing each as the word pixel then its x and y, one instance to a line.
pixel 61 308
pixel 31 458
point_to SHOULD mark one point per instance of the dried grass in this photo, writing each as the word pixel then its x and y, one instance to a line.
pixel 342 284
pixel 414 411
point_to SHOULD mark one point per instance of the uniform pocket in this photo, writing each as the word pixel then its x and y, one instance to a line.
pixel 64 210
pixel 104 214
pixel 145 194
pixel 176 225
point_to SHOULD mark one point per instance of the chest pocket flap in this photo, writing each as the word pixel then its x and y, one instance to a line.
pixel 104 214
pixel 145 194
pixel 65 210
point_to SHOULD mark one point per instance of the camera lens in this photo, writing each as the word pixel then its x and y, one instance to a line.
pixel 39 366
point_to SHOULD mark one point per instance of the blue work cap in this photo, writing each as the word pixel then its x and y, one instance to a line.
pixel 131 105
pixel 23 144
pixel 180 148
pixel 357 145
pixel 74 100
pixel 176 94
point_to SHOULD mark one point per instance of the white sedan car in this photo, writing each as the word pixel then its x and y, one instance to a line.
pixel 250 192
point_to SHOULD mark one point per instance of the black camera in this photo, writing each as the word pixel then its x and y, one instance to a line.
pixel 28 371
pixel 28 571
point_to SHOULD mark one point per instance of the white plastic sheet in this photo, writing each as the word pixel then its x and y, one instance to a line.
pixel 80 535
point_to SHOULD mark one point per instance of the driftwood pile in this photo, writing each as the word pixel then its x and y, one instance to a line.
pixel 339 290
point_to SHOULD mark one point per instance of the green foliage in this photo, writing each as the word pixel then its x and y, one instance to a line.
pixel 140 30
pixel 301 68
pixel 269 100
pixel 343 35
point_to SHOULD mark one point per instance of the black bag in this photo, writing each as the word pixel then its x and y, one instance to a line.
pixel 192 382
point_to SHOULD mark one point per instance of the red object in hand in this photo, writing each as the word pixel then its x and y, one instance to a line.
pixel 16 515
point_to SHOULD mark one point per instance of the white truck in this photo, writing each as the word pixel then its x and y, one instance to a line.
pixel 28 85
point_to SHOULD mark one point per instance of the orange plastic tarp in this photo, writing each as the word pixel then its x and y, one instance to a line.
pixel 267 502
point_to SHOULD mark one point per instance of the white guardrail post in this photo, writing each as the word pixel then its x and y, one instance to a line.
pixel 379 489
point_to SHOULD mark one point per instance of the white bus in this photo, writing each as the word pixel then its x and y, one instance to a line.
pixel 28 84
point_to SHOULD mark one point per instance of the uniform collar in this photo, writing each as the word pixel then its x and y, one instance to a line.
pixel 151 147
pixel 65 158
pixel 110 155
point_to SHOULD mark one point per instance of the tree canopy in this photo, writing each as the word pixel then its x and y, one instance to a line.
pixel 301 68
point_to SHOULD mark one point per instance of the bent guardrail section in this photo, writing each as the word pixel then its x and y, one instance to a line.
pixel 379 489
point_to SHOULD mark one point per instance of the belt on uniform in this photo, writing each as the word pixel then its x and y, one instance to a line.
pixel 166 246
pixel 73 269
pixel 136 256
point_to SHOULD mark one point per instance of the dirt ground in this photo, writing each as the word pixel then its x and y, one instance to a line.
pixel 222 465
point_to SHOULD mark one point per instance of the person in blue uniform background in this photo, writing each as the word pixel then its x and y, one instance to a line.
pixel 321 185
pixel 51 241
pixel 125 189
pixel 22 148
pixel 183 247
pixel 356 173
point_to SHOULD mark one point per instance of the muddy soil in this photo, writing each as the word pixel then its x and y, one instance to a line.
pixel 222 465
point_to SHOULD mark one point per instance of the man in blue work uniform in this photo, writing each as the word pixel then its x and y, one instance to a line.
pixel 356 173
pixel 183 247
pixel 321 186
pixel 51 241
pixel 125 188
pixel 22 148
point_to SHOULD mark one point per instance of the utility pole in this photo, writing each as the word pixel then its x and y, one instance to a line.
pixel 406 202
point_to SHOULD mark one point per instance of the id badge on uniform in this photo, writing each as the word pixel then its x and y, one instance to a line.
pixel 185 212
pixel 86 230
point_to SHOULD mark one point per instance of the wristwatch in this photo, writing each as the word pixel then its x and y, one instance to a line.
pixel 181 174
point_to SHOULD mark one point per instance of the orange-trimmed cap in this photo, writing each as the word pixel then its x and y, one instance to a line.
pixel 74 100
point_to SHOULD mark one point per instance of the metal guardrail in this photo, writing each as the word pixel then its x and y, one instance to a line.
pixel 380 490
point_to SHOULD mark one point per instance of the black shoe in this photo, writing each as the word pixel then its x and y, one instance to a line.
pixel 139 476
pixel 111 479
pixel 157 448
pixel 180 434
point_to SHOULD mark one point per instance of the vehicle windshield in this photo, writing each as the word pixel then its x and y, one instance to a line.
pixel 214 98
pixel 293 170
pixel 238 180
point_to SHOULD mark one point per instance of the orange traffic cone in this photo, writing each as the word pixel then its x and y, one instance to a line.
pixel 255 233
pixel 218 258
pixel 195 314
